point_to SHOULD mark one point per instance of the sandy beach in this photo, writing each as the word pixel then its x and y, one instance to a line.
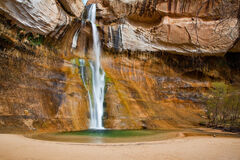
pixel 18 147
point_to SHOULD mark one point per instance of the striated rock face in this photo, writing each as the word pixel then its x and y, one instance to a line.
pixel 40 89
pixel 74 7
pixel 161 91
pixel 163 38
pixel 154 90
pixel 140 95
pixel 206 27
pixel 39 16
pixel 146 86
pixel 189 27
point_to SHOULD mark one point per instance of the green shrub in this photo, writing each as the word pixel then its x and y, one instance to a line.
pixel 35 41
pixel 223 106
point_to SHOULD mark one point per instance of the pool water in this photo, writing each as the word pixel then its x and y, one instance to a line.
pixel 126 136
pixel 112 133
pixel 108 136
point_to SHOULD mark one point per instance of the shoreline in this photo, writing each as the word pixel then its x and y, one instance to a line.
pixel 18 147
pixel 155 137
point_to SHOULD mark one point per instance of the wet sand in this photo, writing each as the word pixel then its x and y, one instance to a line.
pixel 18 147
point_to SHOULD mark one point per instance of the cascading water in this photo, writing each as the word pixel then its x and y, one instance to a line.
pixel 98 76
pixel 96 93
pixel 75 39
pixel 84 2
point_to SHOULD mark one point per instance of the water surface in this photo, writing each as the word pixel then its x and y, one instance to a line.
pixel 109 136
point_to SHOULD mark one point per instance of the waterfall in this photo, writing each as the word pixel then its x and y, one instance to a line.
pixel 98 76
pixel 82 68
pixel 84 2
pixel 75 39
pixel 97 85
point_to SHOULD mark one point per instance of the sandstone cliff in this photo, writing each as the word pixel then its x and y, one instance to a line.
pixel 39 89
pixel 205 27
pixel 160 59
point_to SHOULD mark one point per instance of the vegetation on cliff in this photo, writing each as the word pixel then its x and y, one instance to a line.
pixel 223 107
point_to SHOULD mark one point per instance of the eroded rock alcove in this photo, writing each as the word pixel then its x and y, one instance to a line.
pixel 160 59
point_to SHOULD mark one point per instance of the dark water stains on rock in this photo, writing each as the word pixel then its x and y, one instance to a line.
pixel 35 87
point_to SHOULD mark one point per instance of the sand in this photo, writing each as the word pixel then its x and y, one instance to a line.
pixel 18 147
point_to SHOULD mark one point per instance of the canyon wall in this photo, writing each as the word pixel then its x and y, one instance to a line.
pixel 39 89
pixel 160 59
pixel 189 27
pixel 205 27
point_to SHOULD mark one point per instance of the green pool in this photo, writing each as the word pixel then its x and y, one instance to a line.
pixel 113 133
pixel 127 136
pixel 108 136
